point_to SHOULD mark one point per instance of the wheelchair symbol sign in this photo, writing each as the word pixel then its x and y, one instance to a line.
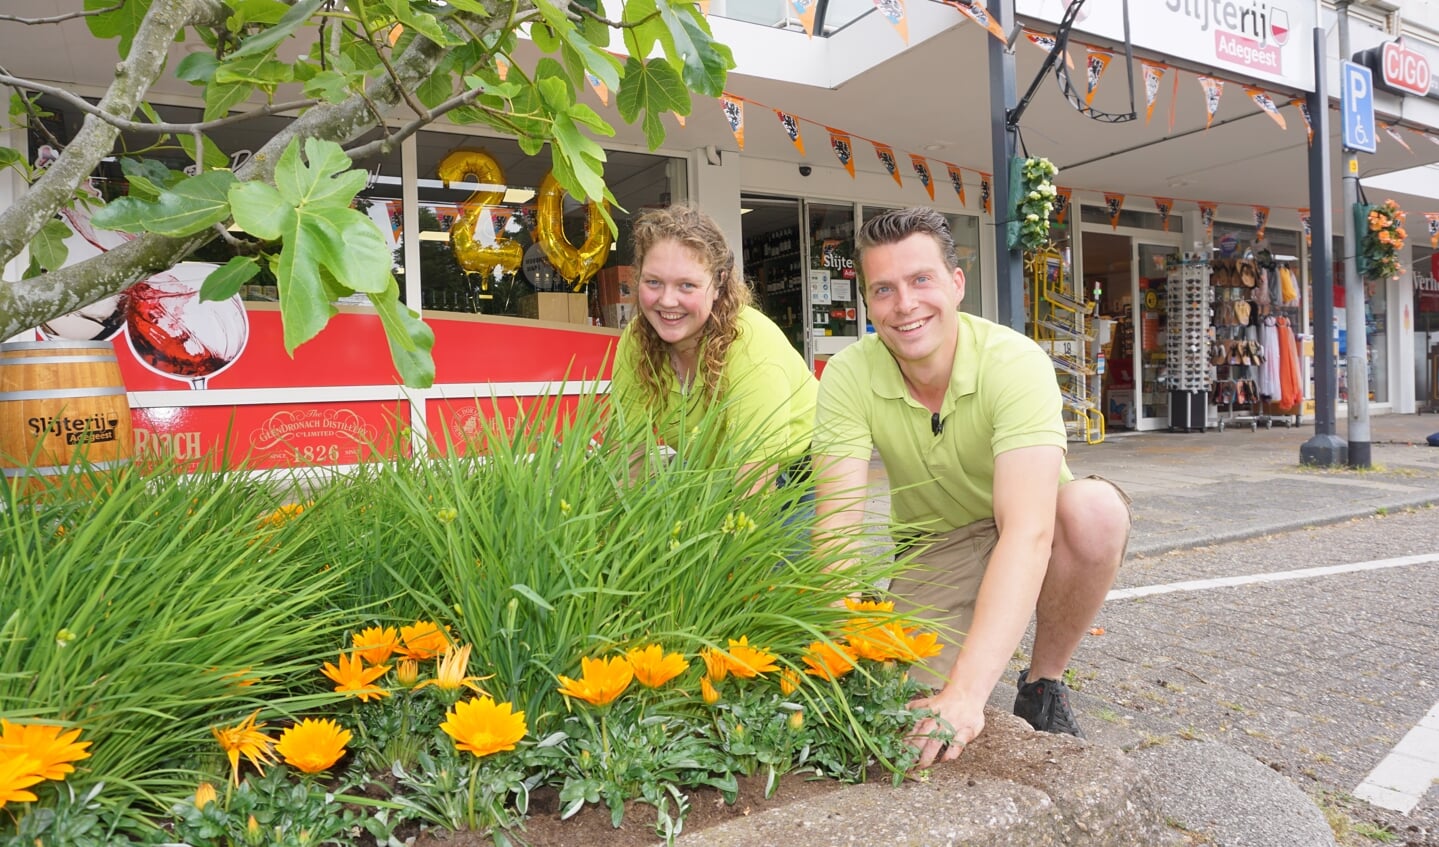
pixel 1358 108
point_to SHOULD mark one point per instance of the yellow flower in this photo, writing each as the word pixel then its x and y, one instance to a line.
pixel 601 680
pixel 827 660
pixel 716 668
pixel 352 677
pixel 204 795
pixel 450 675
pixel 284 514
pixel 446 515
pixel 245 739
pixel 313 745
pixel 16 774
pixel 868 605
pixel 45 744
pixel 482 726
pixel 375 644
pixel 654 667
pixel 748 662
pixel 708 691
pixel 423 640
pixel 884 642
pixel 796 720
pixel 406 672
pixel 789 681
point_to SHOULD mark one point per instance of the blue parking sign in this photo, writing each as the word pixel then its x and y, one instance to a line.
pixel 1357 108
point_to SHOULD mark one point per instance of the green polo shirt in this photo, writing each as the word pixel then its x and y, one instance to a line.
pixel 1002 395
pixel 768 396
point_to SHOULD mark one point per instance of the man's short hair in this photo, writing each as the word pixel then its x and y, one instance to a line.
pixel 896 225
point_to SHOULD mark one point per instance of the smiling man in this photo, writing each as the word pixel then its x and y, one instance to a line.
pixel 966 416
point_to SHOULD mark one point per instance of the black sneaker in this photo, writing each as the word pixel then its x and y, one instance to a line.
pixel 1044 703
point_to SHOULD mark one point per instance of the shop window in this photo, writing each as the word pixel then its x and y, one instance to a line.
pixel 1132 218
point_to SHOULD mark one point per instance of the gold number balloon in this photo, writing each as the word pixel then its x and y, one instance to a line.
pixel 576 264
pixel 504 254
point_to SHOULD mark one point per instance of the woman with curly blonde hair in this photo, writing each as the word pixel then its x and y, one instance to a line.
pixel 698 344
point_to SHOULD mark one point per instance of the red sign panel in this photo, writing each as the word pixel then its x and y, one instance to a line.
pixel 1405 69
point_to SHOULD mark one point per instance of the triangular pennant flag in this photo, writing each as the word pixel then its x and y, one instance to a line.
pixel 680 119
pixel 1265 102
pixel 921 169
pixel 599 86
pixel 1095 65
pixel 1047 43
pixel 1206 217
pixel 734 115
pixel 1304 225
pixel 886 158
pixel 1061 204
pixel 791 128
pixel 805 10
pixel 976 11
pixel 956 179
pixel 1261 219
pixel 986 198
pixel 1394 134
pixel 502 68
pixel 1165 205
pixel 1153 74
pixel 1432 219
pixel 893 11
pixel 1173 101
pixel 840 143
pixel 1213 90
pixel 1304 111
pixel 705 7
pixel 1113 203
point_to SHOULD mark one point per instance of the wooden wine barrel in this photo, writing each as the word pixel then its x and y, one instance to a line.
pixel 61 402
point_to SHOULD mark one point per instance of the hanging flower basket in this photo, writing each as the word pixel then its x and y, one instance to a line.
pixel 1382 238
pixel 1032 192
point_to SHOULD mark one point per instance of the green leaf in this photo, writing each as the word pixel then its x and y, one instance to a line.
pixel 260 210
pixel 529 594
pixel 48 247
pixel 268 39
pixel 120 23
pixel 220 98
pixel 197 68
pixel 425 24
pixel 544 37
pixel 329 86
pixel 256 11
pixel 214 157
pixel 640 38
pixel 147 177
pixel 189 206
pixel 411 339
pixel 224 282
pixel 10 157
pixel 716 60
pixel 652 89
pixel 435 90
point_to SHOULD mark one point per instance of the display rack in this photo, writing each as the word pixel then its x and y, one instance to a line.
pixel 1279 313
pixel 1187 341
pixel 1059 322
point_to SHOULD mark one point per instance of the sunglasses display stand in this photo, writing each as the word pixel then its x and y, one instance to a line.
pixel 1186 292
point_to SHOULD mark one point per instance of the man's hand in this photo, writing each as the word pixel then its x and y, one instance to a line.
pixel 953 723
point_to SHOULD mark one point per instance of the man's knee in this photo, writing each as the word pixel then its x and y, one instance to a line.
pixel 1092 516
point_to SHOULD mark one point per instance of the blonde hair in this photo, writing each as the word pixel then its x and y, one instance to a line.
pixel 697 231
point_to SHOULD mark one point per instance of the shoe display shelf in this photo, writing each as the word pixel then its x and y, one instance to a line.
pixel 1186 295
pixel 1060 322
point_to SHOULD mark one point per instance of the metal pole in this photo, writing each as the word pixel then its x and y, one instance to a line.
pixel 1355 344
pixel 1003 96
pixel 1325 448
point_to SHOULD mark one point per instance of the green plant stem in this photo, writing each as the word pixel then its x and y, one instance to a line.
pixel 474 779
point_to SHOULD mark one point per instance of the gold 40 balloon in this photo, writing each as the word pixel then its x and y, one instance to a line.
pixel 577 264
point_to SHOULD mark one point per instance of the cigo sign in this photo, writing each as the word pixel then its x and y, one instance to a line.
pixel 1398 68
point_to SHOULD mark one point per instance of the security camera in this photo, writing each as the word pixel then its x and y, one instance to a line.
pixel 805 170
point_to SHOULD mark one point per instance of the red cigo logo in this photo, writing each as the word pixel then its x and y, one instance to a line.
pixel 1405 69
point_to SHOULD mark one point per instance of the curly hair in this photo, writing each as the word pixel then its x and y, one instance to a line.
pixel 697 231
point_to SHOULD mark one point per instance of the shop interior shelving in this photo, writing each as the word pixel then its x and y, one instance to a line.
pixel 1060 323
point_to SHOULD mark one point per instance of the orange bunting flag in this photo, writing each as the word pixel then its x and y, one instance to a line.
pixel 502 68
pixel 599 86
pixel 1153 74
pixel 1304 111
pixel 1173 101
pixel 1206 217
pixel 843 149
pixel 1261 219
pixel 705 7
pixel 1304 225
pixel 921 169
pixel 986 198
pixel 734 115
pixel 791 128
pixel 1394 134
pixel 1213 90
pixel 976 11
pixel 805 10
pixel 886 158
pixel 1165 205
pixel 1265 102
pixel 1095 66
pixel 1113 203
pixel 956 179
pixel 1061 203
pixel 1432 219
pixel 1047 43
pixel 680 119
pixel 893 11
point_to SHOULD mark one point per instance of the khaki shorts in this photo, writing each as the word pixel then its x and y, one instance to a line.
pixel 945 583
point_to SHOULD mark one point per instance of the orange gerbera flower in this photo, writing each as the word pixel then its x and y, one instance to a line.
pixel 375 644
pixel 789 681
pixel 352 677
pixel 869 605
pixel 748 662
pixel 708 691
pixel 313 745
pixel 482 726
pixel 828 660
pixel 284 514
pixel 423 640
pixel 716 665
pixel 654 667
pixel 204 795
pixel 18 773
pixel 47 744
pixel 891 641
pixel 245 739
pixel 451 673
pixel 601 680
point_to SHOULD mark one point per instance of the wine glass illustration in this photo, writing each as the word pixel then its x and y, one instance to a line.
pixel 176 334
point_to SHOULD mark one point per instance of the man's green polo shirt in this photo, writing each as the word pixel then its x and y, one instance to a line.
pixel 1002 395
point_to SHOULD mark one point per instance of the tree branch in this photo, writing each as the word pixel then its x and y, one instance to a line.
pixel 55 19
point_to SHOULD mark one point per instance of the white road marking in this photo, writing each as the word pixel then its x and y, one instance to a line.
pixel 1278 576
pixel 1400 781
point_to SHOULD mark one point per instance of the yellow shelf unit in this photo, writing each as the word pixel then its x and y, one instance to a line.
pixel 1059 322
